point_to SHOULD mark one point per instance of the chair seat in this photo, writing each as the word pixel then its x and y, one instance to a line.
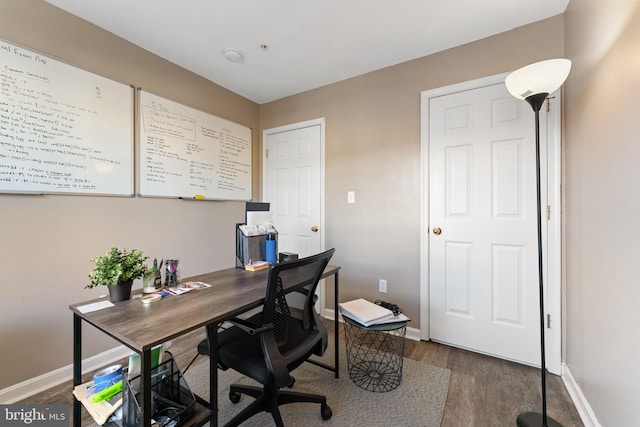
pixel 243 353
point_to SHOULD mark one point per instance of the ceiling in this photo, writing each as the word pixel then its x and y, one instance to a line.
pixel 291 46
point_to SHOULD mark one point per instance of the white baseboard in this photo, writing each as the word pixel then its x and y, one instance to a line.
pixel 578 398
pixel 25 389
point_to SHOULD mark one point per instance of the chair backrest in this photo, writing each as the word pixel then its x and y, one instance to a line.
pixel 303 276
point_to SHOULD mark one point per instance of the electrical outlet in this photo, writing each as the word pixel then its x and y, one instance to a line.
pixel 351 196
pixel 382 285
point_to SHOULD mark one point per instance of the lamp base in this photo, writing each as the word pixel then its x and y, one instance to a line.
pixel 534 419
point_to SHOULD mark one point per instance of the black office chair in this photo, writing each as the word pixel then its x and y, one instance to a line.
pixel 269 345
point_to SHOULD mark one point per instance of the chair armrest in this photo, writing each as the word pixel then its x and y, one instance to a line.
pixel 249 327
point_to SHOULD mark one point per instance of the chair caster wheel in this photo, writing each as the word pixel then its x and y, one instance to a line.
pixel 326 412
pixel 234 396
pixel 292 383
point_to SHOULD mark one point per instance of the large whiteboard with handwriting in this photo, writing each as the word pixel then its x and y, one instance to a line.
pixel 62 129
pixel 186 152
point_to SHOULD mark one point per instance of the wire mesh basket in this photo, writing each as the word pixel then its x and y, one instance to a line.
pixel 375 354
pixel 172 401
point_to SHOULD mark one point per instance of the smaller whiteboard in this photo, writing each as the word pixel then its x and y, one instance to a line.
pixel 62 129
pixel 186 152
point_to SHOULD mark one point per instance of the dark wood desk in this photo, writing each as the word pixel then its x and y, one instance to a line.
pixel 142 326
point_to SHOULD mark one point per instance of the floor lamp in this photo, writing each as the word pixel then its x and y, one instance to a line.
pixel 533 84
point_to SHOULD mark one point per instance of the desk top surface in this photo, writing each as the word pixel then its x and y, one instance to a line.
pixel 141 326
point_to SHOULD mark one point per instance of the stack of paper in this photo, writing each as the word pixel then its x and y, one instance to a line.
pixel 367 313
pixel 100 411
pixel 256 266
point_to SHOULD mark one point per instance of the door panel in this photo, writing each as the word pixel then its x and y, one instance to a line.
pixel 483 265
pixel 293 174
pixel 293 177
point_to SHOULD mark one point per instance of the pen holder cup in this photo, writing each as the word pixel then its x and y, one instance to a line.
pixel 149 283
pixel 172 402
pixel 171 272
pixel 157 280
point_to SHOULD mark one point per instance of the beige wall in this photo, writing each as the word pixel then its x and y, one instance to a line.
pixel 373 148
pixel 47 241
pixel 602 154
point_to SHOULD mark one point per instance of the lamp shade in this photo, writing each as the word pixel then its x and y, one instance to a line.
pixel 539 77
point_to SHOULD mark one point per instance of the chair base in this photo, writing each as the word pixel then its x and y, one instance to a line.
pixel 268 399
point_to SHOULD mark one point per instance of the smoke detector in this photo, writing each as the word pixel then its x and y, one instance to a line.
pixel 232 54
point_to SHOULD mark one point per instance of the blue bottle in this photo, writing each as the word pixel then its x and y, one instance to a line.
pixel 271 248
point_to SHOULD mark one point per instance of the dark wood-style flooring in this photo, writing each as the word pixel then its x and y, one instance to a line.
pixel 484 391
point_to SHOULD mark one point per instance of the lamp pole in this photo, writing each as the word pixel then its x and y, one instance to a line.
pixel 534 419
pixel 533 83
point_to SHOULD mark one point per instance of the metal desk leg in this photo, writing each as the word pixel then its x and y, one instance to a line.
pixel 146 387
pixel 77 366
pixel 336 366
pixel 212 336
pixel 335 325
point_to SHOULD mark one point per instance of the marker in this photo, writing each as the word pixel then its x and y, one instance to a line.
pixel 108 392
pixel 198 197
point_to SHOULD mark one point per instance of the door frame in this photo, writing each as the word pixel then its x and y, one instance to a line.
pixel 291 127
pixel 552 263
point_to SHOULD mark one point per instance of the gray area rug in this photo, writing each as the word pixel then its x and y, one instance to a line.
pixel 418 401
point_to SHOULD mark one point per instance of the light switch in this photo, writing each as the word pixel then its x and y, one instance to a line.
pixel 351 196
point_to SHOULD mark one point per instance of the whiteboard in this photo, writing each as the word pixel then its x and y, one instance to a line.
pixel 186 152
pixel 62 129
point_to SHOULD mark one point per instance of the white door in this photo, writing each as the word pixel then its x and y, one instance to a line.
pixel 483 275
pixel 293 183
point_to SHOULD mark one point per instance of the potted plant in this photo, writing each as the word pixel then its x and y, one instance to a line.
pixel 117 269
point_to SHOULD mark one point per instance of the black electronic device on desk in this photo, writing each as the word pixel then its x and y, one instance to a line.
pixel 287 256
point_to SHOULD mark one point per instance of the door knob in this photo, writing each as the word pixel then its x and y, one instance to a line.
pixel 437 231
pixel 314 228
